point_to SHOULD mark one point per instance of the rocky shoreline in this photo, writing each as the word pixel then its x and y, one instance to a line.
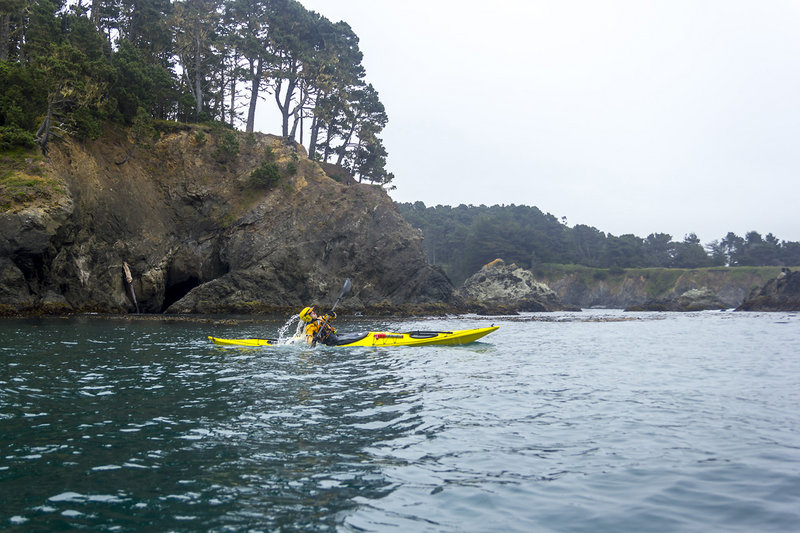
pixel 500 286
pixel 182 229
pixel 779 294
pixel 201 237
pixel 691 300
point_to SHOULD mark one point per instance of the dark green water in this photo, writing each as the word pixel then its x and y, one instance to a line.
pixel 575 422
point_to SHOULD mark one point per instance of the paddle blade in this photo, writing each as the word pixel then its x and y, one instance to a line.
pixel 344 292
pixel 345 289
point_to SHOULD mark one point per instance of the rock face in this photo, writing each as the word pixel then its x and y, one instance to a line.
pixel 691 300
pixel 201 237
pixel 779 294
pixel 510 287
pixel 638 287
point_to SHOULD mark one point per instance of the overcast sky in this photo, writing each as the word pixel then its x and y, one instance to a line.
pixel 631 116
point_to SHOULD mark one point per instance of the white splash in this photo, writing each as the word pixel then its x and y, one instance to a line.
pixel 295 338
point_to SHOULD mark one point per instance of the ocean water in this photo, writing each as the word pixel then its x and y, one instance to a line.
pixel 592 421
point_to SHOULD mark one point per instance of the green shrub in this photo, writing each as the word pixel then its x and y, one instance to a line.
pixel 291 168
pixel 228 147
pixel 11 136
pixel 86 124
pixel 265 175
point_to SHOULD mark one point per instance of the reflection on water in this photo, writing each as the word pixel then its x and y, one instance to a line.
pixel 574 422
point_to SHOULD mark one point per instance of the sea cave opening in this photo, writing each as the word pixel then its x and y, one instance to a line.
pixel 176 291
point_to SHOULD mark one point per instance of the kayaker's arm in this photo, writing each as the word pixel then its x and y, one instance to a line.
pixel 311 333
pixel 322 329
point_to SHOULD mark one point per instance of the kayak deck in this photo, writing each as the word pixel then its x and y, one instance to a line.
pixel 243 342
pixel 422 338
pixel 387 338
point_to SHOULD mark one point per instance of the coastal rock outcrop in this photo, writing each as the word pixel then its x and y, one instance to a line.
pixel 779 294
pixel 692 300
pixel 201 236
pixel 500 286
pixel 638 287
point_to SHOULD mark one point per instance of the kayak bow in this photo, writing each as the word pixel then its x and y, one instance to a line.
pixel 385 338
pixel 243 342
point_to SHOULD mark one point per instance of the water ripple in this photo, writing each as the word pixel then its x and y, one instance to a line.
pixel 573 422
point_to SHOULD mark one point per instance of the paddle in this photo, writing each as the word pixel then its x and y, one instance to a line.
pixel 344 292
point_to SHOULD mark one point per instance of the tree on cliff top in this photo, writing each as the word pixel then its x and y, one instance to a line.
pixel 195 25
pixel 293 43
pixel 73 69
pixel 247 30
pixel 338 76
pixel 188 60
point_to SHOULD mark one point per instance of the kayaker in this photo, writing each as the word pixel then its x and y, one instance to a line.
pixel 318 328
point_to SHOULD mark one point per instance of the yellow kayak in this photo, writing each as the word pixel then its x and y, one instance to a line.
pixel 384 338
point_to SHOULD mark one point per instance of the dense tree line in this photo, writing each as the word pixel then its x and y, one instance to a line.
pixel 68 67
pixel 464 238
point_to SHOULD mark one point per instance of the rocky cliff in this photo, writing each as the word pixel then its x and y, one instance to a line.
pixel 692 300
pixel 781 293
pixel 201 235
pixel 648 287
pixel 501 287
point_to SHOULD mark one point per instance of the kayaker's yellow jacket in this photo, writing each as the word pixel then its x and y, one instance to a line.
pixel 319 330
